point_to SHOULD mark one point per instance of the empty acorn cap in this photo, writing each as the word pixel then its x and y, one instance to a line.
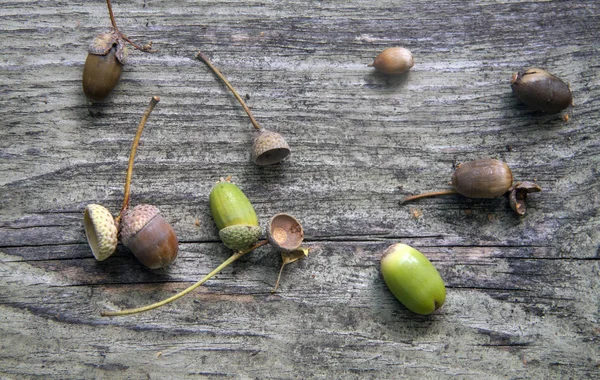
pixel 100 231
pixel 269 148
pixel 285 232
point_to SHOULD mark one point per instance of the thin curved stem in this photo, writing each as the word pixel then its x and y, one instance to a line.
pixel 223 265
pixel 278 278
pixel 136 140
pixel 431 194
pixel 146 48
pixel 229 86
pixel 112 17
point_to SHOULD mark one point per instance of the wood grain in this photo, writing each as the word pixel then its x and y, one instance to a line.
pixel 523 293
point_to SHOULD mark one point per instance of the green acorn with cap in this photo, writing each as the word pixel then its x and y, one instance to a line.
pixel 234 215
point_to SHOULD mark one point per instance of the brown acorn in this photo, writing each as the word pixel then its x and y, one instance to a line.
pixel 103 65
pixel 106 57
pixel 393 61
pixel 149 236
pixel 484 178
pixel 541 91
pixel 285 232
pixel 269 148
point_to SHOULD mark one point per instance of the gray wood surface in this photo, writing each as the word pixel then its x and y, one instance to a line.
pixel 523 292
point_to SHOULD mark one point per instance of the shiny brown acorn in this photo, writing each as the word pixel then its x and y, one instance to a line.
pixel 484 178
pixel 541 91
pixel 103 66
pixel 149 236
pixel 393 61
pixel 142 229
pixel 104 63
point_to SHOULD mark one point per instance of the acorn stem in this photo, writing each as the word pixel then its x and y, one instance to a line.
pixel 223 265
pixel 112 17
pixel 430 194
pixel 155 99
pixel 229 86
pixel 278 278
pixel 146 48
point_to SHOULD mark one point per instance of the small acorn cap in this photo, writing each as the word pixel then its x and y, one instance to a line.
pixel 285 232
pixel 104 42
pixel 269 148
pixel 100 231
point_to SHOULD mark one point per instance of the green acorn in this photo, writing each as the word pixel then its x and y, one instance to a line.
pixel 234 216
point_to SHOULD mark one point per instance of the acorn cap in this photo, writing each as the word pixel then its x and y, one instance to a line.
pixel 100 231
pixel 103 42
pixel 269 148
pixel 134 219
pixel 240 236
pixel 285 232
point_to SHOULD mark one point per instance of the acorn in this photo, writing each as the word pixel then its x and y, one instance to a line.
pixel 412 279
pixel 100 231
pixel 103 65
pixel 285 232
pixel 234 216
pixel 484 178
pixel 149 236
pixel 269 148
pixel 541 91
pixel 106 57
pixel 393 61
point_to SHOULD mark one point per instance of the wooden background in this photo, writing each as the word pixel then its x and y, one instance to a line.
pixel 523 292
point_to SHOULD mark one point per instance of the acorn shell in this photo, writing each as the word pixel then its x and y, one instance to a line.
pixel 485 178
pixel 269 148
pixel 413 279
pixel 541 90
pixel 285 232
pixel 393 61
pixel 149 236
pixel 234 216
pixel 100 231
pixel 229 206
pixel 101 74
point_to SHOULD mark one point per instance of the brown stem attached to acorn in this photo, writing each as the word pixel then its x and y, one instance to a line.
pixel 430 194
pixel 145 48
pixel 218 269
pixel 229 86
pixel 136 140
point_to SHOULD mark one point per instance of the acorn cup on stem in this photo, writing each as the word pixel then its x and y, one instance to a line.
pixel 285 233
pixel 106 56
pixel 487 179
pixel 142 229
pixel 269 147
pixel 238 227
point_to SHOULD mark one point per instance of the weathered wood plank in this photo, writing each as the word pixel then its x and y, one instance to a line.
pixel 522 292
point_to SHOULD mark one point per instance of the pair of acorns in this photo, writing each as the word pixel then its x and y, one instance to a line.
pixel 536 88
